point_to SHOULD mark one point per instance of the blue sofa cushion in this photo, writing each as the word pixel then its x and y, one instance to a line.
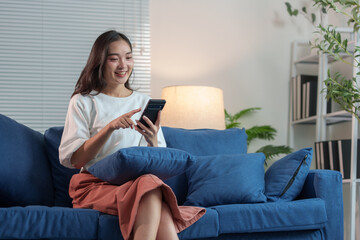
pixel 206 226
pixel 285 178
pixel 226 179
pixel 109 227
pixel 130 163
pixel 272 216
pixel 24 167
pixel 35 222
pixel 295 235
pixel 61 175
pixel 203 142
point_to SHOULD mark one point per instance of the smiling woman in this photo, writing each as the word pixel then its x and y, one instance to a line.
pixel 101 121
pixel 50 40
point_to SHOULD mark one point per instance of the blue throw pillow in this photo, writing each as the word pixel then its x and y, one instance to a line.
pixel 61 175
pixel 203 142
pixel 24 167
pixel 226 179
pixel 130 163
pixel 285 178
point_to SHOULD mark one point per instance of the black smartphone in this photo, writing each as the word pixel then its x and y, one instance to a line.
pixel 151 110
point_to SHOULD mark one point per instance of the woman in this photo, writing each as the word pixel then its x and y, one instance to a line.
pixel 99 122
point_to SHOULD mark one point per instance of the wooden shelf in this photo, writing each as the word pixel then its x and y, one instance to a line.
pixel 337 117
pixel 309 120
pixel 349 181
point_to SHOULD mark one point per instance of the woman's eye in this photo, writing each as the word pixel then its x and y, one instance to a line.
pixel 114 59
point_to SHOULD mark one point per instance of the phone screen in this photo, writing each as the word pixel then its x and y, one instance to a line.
pixel 151 110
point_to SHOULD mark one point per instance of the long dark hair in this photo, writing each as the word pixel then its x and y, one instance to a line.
pixel 91 77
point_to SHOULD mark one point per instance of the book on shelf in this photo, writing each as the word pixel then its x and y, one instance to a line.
pixel 304 96
pixel 345 156
pixel 312 95
pixel 325 158
pixel 331 159
pixel 336 155
pixel 317 154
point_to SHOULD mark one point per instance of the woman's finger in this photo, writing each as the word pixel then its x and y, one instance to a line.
pixel 129 122
pixel 131 113
pixel 158 120
pixel 141 126
pixel 124 122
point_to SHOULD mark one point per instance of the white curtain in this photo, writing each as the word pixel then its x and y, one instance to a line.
pixel 44 45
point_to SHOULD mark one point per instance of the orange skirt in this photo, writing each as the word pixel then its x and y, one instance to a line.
pixel 88 191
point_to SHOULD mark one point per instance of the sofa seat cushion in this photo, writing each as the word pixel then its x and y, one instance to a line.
pixel 206 227
pixel 48 222
pixel 287 235
pixel 272 216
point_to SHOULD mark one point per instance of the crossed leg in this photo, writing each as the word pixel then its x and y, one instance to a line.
pixel 154 219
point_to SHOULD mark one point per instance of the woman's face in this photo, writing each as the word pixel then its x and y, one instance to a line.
pixel 119 64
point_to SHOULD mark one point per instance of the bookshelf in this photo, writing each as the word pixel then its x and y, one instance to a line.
pixel 305 130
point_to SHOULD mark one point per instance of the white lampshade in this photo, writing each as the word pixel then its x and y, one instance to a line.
pixel 193 107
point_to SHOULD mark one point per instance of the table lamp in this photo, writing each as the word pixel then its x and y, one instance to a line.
pixel 193 107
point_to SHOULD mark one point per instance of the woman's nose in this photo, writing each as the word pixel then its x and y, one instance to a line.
pixel 121 63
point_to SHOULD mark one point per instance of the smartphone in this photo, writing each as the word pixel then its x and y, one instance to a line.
pixel 151 110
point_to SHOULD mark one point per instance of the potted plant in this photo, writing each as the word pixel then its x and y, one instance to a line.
pixel 340 89
pixel 264 132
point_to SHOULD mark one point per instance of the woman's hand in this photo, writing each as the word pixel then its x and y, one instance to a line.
pixel 93 145
pixel 149 133
pixel 124 121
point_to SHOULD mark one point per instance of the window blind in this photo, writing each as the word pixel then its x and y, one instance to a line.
pixel 44 46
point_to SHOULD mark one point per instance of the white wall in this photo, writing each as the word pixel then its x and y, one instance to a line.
pixel 242 47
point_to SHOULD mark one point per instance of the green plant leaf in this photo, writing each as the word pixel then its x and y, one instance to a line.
pixel 272 151
pixel 265 132
pixel 232 125
pixel 288 8
pixel 245 112
pixel 313 17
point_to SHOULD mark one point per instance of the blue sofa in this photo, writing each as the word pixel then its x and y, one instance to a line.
pixel 34 202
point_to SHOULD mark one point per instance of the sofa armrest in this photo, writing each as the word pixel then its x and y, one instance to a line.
pixel 327 185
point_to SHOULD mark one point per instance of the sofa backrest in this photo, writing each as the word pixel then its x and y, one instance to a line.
pixel 61 175
pixel 205 142
pixel 24 168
